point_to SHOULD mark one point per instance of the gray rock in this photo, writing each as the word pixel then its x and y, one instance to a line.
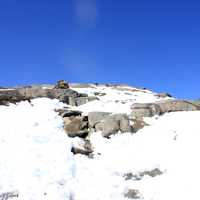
pixel 138 176
pixel 150 109
pixel 11 96
pixel 139 123
pixel 62 94
pixel 132 194
pixel 114 123
pixel 96 117
pixel 85 148
pixel 81 100
pixel 177 105
pixel 76 126
pixel 110 126
pixel 92 98
pixel 144 110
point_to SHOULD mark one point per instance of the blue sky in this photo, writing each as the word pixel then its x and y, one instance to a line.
pixel 153 44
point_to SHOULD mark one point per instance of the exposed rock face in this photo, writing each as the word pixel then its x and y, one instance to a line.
pixel 177 105
pixel 145 110
pixel 68 96
pixel 158 108
pixel 10 96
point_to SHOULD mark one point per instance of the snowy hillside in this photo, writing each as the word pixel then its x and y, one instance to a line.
pixel 158 162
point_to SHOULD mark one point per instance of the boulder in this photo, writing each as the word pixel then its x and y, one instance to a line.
pixel 96 117
pixel 76 126
pixel 112 124
pixel 83 147
pixel 139 123
pixel 61 85
pixel 132 194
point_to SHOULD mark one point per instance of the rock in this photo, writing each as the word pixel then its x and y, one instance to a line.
pixel 76 126
pixel 163 95
pixel 61 85
pixel 110 126
pixel 100 94
pixel 70 113
pixel 11 96
pixel 139 123
pixel 138 176
pixel 113 123
pixel 144 110
pixel 176 105
pixel 92 98
pixel 84 147
pixel 132 194
pixel 96 117
pixel 81 100
pixel 150 109
pixel 62 94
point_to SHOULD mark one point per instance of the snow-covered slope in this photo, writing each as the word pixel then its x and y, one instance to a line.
pixel 159 162
pixel 116 99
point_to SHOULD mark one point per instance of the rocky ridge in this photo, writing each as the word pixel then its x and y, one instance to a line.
pixel 77 123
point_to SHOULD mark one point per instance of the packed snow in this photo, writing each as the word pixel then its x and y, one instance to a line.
pixel 37 163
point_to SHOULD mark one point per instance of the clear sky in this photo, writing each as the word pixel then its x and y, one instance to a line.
pixel 147 43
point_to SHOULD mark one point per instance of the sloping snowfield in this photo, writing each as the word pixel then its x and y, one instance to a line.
pixel 36 160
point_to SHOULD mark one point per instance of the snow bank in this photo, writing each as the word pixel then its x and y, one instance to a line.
pixel 35 157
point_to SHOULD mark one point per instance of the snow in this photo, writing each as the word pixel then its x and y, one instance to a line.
pixel 36 159
pixel 116 99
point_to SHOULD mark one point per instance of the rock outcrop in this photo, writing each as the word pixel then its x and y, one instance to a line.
pixel 161 107
pixel 61 91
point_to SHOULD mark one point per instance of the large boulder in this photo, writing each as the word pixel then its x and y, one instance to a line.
pixel 76 126
pixel 96 117
pixel 112 124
